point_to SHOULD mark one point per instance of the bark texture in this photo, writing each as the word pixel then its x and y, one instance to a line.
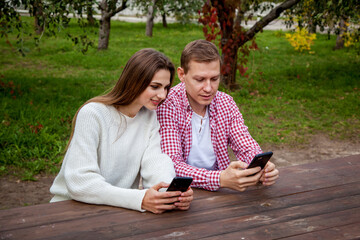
pixel 38 17
pixel 150 19
pixel 339 39
pixel 234 36
pixel 108 10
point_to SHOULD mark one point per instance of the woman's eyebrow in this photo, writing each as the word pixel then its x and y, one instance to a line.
pixel 157 83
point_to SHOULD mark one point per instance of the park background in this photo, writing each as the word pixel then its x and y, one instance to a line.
pixel 303 106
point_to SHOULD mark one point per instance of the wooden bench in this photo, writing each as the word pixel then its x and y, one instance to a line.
pixel 312 201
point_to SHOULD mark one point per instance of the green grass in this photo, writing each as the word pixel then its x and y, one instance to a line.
pixel 287 96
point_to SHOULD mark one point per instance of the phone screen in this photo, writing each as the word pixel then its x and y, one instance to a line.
pixel 260 160
pixel 180 184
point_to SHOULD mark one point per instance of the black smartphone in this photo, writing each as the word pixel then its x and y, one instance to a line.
pixel 260 160
pixel 180 184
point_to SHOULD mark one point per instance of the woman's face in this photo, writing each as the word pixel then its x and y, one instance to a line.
pixel 157 90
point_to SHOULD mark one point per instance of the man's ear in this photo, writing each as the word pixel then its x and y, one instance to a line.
pixel 181 74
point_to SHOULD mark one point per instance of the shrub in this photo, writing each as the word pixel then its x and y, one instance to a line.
pixel 301 39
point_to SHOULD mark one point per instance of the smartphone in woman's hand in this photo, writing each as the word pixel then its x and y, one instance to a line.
pixel 180 184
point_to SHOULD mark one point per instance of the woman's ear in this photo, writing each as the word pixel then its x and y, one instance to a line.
pixel 181 74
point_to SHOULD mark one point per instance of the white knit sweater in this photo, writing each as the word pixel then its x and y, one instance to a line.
pixel 108 154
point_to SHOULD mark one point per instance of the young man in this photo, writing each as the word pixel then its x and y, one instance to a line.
pixel 198 124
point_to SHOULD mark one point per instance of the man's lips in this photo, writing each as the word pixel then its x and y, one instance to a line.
pixel 205 96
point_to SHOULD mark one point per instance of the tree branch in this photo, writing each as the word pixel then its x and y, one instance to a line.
pixel 273 14
pixel 119 9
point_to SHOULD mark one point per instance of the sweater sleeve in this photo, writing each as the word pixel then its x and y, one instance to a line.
pixel 82 174
pixel 156 166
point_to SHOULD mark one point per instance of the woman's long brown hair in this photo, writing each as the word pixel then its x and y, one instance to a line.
pixel 135 78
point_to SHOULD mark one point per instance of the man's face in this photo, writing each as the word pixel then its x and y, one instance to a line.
pixel 201 83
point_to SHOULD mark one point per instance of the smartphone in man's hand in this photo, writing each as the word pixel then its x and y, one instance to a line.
pixel 260 160
pixel 180 184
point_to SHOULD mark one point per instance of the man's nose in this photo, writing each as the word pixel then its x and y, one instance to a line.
pixel 207 86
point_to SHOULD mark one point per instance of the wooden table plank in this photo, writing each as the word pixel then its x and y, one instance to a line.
pixel 279 209
pixel 241 222
pixel 344 232
pixel 42 214
pixel 304 193
pixel 297 227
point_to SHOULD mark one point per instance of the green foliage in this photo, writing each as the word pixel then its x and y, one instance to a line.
pixel 183 10
pixel 287 95
pixel 328 15
pixel 222 23
pixel 301 39
pixel 51 17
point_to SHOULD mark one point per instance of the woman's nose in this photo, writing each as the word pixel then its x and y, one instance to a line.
pixel 162 94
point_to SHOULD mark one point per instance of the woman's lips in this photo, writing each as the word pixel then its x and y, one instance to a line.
pixel 155 102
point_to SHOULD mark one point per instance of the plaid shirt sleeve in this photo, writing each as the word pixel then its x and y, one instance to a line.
pixel 175 131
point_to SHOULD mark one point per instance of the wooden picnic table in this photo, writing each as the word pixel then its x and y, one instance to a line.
pixel 319 200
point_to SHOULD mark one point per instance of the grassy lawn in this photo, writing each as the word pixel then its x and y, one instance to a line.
pixel 287 97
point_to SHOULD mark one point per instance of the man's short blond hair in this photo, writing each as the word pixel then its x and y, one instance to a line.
pixel 199 51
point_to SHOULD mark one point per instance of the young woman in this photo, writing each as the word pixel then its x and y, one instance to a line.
pixel 115 142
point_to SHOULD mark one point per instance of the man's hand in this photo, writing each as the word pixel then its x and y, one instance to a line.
pixel 235 177
pixel 158 202
pixel 269 175
pixel 185 200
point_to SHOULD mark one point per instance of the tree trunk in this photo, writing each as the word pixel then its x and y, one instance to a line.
pixel 228 49
pixel 164 20
pixel 104 32
pixel 106 14
pixel 38 17
pixel 233 36
pixel 311 26
pixel 229 79
pixel 150 19
pixel 339 39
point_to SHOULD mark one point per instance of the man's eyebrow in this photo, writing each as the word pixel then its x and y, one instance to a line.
pixel 216 76
pixel 200 76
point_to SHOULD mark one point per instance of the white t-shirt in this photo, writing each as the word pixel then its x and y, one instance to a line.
pixel 202 153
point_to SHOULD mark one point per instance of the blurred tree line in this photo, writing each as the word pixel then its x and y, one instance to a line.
pixel 52 16
pixel 222 21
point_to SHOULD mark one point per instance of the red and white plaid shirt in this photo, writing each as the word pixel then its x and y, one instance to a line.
pixel 227 129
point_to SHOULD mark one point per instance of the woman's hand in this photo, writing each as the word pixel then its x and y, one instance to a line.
pixel 185 200
pixel 158 202
pixel 269 175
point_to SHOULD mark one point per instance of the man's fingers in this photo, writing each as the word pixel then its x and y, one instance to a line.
pixel 268 183
pixel 251 171
pixel 186 199
pixel 269 167
pixel 271 179
pixel 272 173
pixel 238 164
